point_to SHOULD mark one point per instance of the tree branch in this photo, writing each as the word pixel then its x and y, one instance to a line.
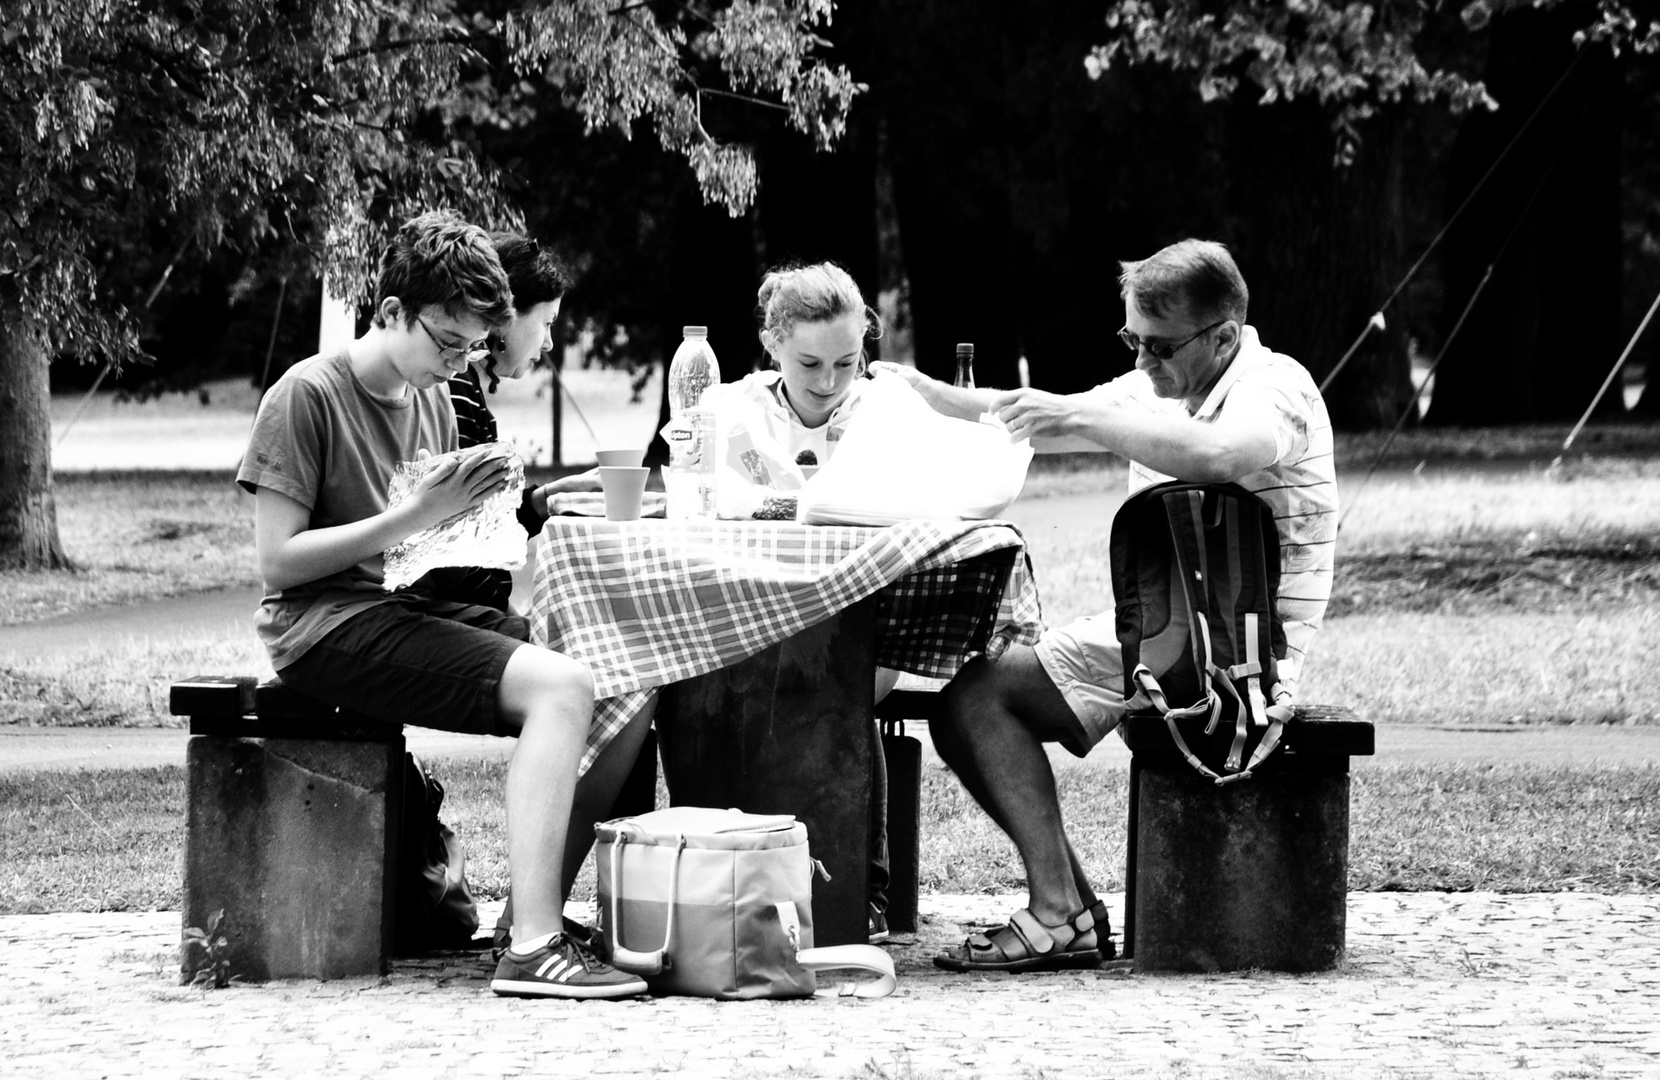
pixel 747 98
pixel 691 79
pixel 668 50
pixel 399 46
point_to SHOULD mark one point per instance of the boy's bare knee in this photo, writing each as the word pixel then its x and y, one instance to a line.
pixel 540 676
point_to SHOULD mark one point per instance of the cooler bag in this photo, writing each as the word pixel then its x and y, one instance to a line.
pixel 718 903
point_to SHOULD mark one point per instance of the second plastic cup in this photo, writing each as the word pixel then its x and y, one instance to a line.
pixel 621 456
pixel 623 486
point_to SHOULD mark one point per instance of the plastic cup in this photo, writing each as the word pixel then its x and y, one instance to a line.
pixel 623 485
pixel 621 457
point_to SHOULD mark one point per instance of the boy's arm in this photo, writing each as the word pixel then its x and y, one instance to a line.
pixel 292 553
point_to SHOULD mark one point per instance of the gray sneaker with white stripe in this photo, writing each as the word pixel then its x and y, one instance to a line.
pixel 563 968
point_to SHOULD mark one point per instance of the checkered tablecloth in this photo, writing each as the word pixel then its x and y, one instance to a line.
pixel 648 603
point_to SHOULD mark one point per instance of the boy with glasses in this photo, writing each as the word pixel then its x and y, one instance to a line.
pixel 325 443
pixel 1206 402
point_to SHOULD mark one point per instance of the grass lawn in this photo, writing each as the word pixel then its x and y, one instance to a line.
pixel 1476 588
pixel 112 841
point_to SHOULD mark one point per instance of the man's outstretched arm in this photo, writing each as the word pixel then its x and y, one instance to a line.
pixel 1177 446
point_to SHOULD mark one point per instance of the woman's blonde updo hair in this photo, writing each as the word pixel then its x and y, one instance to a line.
pixel 810 294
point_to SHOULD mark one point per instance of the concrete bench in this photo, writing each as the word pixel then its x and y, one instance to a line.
pixel 1252 874
pixel 291 823
pixel 291 826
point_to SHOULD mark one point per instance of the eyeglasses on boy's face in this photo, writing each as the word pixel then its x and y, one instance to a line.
pixel 1161 350
pixel 456 352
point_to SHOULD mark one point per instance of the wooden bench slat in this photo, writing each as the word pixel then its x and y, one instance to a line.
pixel 212 695
pixel 1316 729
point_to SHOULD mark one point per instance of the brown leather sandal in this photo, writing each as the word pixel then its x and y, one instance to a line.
pixel 1103 930
pixel 1026 944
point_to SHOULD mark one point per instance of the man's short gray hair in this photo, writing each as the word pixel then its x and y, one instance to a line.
pixel 1195 276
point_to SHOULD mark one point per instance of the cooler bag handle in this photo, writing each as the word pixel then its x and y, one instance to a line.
pixel 866 958
pixel 656 961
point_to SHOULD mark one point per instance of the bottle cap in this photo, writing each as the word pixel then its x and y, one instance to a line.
pixel 965 348
pixel 694 331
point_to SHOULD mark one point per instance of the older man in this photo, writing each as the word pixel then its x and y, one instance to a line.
pixel 1206 402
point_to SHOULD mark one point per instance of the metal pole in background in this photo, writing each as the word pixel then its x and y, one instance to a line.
pixel 558 415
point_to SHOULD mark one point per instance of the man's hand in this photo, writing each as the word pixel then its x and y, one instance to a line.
pixel 1035 414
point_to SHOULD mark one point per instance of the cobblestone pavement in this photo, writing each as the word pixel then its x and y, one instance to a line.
pixel 1435 985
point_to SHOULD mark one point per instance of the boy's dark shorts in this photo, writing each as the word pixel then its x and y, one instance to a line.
pixel 415 660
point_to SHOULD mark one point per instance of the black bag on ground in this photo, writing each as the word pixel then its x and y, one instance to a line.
pixel 1195 577
pixel 434 903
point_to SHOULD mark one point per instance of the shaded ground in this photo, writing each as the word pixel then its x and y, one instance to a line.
pixel 1454 578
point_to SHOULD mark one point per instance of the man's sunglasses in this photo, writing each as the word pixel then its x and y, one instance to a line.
pixel 1161 350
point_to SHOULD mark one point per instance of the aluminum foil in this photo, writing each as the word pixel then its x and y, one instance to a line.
pixel 489 534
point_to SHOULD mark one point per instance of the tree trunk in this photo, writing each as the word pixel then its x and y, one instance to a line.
pixel 28 515
pixel 1320 246
pixel 942 89
pixel 1542 334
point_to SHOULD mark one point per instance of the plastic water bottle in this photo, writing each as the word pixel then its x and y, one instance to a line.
pixel 689 480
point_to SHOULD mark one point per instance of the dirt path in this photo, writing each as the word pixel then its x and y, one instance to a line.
pixel 228 612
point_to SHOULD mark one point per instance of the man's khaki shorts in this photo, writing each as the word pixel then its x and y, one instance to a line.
pixel 1084 661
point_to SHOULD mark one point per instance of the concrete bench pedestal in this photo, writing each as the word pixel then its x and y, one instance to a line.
pixel 291 824
pixel 1251 874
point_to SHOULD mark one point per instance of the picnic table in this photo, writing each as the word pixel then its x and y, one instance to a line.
pixel 767 635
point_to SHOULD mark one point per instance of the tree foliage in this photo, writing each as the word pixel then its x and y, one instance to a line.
pixel 232 121
pixel 1364 67
pixel 1352 57
pixel 622 63
pixel 195 127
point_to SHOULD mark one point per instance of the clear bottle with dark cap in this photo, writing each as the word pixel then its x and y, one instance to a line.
pixel 965 365
pixel 689 478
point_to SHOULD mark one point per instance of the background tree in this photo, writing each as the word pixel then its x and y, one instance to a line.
pixel 1333 250
pixel 1541 335
pixel 225 125
pixel 1640 226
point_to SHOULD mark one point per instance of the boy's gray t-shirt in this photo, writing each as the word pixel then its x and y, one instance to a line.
pixel 324 440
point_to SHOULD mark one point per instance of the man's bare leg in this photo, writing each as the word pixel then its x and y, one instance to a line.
pixel 991 737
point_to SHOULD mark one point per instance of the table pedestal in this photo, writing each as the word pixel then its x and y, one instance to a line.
pixel 789 731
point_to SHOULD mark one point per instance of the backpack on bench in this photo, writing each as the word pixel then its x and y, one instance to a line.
pixel 435 906
pixel 1195 579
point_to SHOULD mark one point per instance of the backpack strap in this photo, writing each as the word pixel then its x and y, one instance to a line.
pixel 1149 685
